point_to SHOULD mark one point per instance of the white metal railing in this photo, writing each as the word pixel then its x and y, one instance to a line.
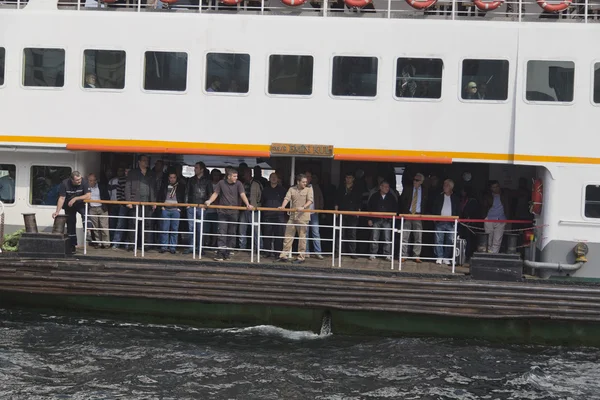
pixel 513 10
pixel 1 225
pixel 139 222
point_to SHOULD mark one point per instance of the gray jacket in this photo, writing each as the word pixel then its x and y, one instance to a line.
pixel 132 185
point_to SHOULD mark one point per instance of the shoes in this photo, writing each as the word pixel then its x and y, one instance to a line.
pixel 189 250
pixel 446 261
pixel 388 258
pixel 298 261
pixel 354 257
pixel 161 251
pixel 219 258
pixel 418 260
pixel 172 251
pixel 403 260
pixel 371 258
pixel 280 259
pixel 438 261
pixel 266 255
pixel 318 256
pixel 115 247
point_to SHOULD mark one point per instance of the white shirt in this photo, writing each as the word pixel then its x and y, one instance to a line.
pixel 447 207
pixel 95 196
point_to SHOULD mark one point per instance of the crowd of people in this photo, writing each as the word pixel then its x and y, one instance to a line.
pixel 287 212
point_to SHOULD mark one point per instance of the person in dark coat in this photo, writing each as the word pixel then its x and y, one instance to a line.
pixel 382 201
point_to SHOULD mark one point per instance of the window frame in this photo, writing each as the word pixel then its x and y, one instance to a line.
pixel 30 191
pixel 330 77
pixel 553 103
pixel 82 69
pixel 592 75
pixel 478 101
pixel 143 74
pixel 230 94
pixel 584 201
pixel 293 96
pixel 4 66
pixel 14 203
pixel 66 70
pixel 416 99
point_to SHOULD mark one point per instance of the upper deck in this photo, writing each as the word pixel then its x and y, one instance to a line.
pixel 343 89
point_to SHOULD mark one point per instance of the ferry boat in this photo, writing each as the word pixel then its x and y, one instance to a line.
pixel 477 90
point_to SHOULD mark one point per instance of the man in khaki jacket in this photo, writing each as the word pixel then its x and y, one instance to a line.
pixel 300 197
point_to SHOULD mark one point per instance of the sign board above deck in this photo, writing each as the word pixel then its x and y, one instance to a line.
pixel 301 150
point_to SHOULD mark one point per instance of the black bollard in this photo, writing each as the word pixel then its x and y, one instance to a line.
pixel 30 223
pixel 511 243
pixel 59 224
pixel 482 242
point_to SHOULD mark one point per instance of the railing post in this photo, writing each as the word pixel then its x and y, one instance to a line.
pixel 258 237
pixel 201 241
pixel 334 228
pixel 454 10
pixel 454 245
pixel 139 8
pixel 520 10
pixel 143 229
pixel 340 242
pixel 389 10
pixel 85 227
pixel 585 12
pixel 401 241
pixel 325 5
pixel 194 233
pixel 135 222
pixel 393 239
pixel 262 7
pixel 251 237
pixel 78 4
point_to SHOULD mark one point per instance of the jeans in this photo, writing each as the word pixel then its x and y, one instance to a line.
pixel 245 227
pixel 113 212
pixel 147 225
pixel 270 243
pixel 315 235
pixel 121 224
pixel 211 227
pixel 349 223
pixel 170 226
pixel 71 213
pixel 382 226
pixel 227 231
pixel 444 235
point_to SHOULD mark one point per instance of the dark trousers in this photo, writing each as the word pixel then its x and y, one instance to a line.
pixel 113 211
pixel 71 213
pixel 148 236
pixel 273 230
pixel 227 231
pixel 349 233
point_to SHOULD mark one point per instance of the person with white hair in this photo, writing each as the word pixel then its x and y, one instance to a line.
pixel 446 204
pixel 412 202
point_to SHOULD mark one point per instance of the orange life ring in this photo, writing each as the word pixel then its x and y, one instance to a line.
pixel 357 3
pixel 536 197
pixel 421 5
pixel 488 5
pixel 293 3
pixel 231 2
pixel 563 5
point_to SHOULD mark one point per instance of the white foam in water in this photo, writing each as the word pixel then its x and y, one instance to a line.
pixel 269 330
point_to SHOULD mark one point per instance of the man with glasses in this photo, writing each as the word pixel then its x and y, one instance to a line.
pixel 412 202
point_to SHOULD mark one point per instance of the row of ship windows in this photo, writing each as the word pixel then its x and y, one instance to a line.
pixel 292 75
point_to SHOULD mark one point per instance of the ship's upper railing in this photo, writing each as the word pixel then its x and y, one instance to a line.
pixel 508 10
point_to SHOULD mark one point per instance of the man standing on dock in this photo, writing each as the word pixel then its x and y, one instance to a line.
pixel 71 194
pixel 229 191
pixel 141 187
pixel 496 208
pixel 300 197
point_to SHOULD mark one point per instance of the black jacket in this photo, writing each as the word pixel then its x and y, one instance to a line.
pixel 378 204
pixel 179 193
pixel 349 200
pixel 197 191
pixel 406 200
pixel 438 204
pixel 272 197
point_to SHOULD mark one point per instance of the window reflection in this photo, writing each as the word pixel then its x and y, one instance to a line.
pixel 550 80
pixel 2 62
pixel 485 80
pixel 44 67
pixel 7 183
pixel 419 78
pixel 45 182
pixel 227 72
pixel 166 71
pixel 292 75
pixel 354 76
pixel 103 69
pixel 592 201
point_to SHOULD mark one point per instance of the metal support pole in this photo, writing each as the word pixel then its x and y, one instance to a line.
pixel 389 10
pixel 393 240
pixel 401 241
pixel 340 242
pixel 85 227
pixel 251 237
pixel 258 237
pixel 262 7
pixel 201 240
pixel 139 8
pixel 454 245
pixel 585 12
pixel 325 5
pixel 453 10
pixel 520 10
pixel 194 233
pixel 143 229
pixel 293 172
pixel 333 240
pixel 135 237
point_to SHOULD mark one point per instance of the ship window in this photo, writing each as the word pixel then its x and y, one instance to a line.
pixel 44 67
pixel 419 78
pixel 2 58
pixel 597 83
pixel 290 74
pixel 7 183
pixel 550 81
pixel 354 76
pixel 227 73
pixel 45 182
pixel 165 71
pixel 592 201
pixel 103 69
pixel 485 80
